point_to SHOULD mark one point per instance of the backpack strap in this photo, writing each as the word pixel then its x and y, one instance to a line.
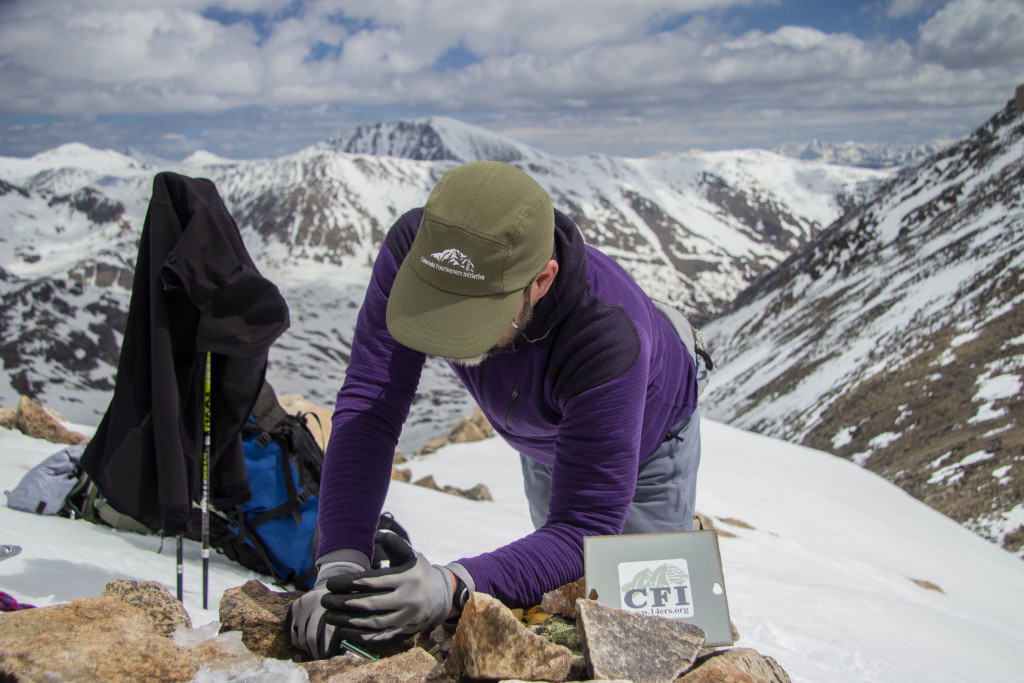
pixel 267 411
pixel 289 487
pixel 254 542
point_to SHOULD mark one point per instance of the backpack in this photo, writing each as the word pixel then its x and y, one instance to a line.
pixel 275 532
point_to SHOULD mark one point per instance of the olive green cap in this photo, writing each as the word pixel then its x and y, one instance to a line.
pixel 487 230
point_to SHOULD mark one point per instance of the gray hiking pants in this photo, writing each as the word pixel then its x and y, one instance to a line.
pixel 666 485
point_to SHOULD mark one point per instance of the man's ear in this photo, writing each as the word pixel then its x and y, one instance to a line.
pixel 542 283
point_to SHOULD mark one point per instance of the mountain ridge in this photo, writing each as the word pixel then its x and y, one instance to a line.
pixel 690 228
pixel 432 138
pixel 864 155
pixel 895 335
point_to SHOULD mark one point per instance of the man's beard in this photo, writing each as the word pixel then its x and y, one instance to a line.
pixel 504 345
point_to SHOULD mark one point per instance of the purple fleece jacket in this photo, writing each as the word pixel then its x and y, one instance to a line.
pixel 595 393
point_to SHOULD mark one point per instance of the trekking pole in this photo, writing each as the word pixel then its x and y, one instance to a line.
pixel 205 505
pixel 180 569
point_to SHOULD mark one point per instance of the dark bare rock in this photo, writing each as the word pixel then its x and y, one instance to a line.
pixel 490 643
pixel 153 598
pixel 621 644
pixel 260 614
pixel 737 665
pixel 95 639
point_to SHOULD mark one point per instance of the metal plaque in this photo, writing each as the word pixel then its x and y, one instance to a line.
pixel 676 575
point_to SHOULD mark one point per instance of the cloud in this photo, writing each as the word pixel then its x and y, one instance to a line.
pixel 898 9
pixel 968 34
pixel 111 57
pixel 577 73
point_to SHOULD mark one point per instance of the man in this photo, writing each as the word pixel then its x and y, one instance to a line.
pixel 569 360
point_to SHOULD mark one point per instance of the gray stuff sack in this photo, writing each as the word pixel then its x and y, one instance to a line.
pixel 46 486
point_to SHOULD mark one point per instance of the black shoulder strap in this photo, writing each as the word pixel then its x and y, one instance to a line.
pixel 267 412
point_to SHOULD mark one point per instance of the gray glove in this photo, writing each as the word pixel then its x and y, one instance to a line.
pixel 380 604
pixel 306 624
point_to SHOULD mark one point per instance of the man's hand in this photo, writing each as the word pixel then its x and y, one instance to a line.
pixel 380 604
pixel 306 623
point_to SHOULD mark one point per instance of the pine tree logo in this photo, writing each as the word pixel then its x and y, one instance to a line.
pixel 656 588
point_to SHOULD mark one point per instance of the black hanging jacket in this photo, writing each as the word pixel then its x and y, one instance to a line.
pixel 195 290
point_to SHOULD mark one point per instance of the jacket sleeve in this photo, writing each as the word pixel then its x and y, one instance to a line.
pixel 241 313
pixel 372 405
pixel 592 485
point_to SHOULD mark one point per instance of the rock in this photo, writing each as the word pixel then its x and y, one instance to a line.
pixel 562 600
pixel 7 418
pixel 475 428
pixel 737 665
pixel 481 422
pixel 260 614
pixel 323 670
pixel 427 482
pixel 562 631
pixel 622 644
pixel 478 492
pixel 718 671
pixel 317 419
pixel 465 431
pixel 403 474
pixel 928 585
pixel 534 616
pixel 709 650
pixel 122 635
pixel 153 598
pixel 437 641
pixel 94 639
pixel 412 666
pixel 490 642
pixel 432 446
pixel 35 421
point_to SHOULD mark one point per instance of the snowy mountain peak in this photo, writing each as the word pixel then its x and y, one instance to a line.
pixel 435 138
pixel 203 158
pixel 78 155
pixel 68 167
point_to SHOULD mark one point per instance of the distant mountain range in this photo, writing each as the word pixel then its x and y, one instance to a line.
pixel 896 337
pixel 693 229
pixel 864 155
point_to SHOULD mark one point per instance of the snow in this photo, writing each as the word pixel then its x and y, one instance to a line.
pixel 997 387
pixel 843 437
pixel 953 473
pixel 1000 474
pixel 836 579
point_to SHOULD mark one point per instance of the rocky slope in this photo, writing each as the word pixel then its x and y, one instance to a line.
pixel 896 338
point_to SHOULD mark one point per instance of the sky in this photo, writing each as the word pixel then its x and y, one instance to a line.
pixel 264 78
pixel 832 571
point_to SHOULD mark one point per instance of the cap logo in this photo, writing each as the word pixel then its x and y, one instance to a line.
pixel 454 262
